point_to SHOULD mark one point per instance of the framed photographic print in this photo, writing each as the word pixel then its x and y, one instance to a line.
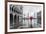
pixel 22 16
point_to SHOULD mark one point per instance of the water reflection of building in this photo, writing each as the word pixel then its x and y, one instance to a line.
pixel 15 15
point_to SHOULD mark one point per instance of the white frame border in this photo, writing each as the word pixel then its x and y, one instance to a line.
pixel 17 30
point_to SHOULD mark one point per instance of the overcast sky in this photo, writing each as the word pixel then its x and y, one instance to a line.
pixel 31 10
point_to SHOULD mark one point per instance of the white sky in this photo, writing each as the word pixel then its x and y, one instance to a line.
pixel 31 10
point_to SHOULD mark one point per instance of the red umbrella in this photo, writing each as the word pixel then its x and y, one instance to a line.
pixel 31 18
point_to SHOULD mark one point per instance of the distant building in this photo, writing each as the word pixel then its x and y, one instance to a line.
pixel 39 17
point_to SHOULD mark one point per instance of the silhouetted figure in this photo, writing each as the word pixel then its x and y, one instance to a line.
pixel 31 21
